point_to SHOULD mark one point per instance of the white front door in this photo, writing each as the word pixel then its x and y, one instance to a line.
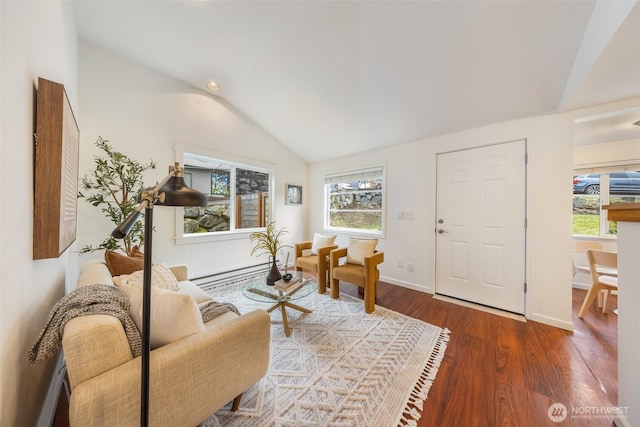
pixel 480 225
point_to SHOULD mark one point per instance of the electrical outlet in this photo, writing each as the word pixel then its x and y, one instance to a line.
pixel 409 214
pixel 400 264
pixel 410 266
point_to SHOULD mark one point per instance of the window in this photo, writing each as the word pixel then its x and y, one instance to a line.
pixel 238 196
pixel 593 190
pixel 354 201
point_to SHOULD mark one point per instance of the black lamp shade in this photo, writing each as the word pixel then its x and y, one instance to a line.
pixel 176 193
pixel 121 231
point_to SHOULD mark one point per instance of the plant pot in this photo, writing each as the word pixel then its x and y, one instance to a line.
pixel 274 274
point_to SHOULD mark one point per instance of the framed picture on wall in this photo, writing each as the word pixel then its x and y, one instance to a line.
pixel 293 195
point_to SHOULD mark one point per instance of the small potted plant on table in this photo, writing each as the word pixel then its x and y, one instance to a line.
pixel 269 242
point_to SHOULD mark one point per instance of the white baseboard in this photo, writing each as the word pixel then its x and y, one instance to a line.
pixel 48 412
pixel 581 286
pixel 552 321
pixel 408 285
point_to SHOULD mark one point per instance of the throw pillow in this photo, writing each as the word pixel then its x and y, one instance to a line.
pixel 358 249
pixel 161 277
pixel 320 241
pixel 135 252
pixel 173 315
pixel 198 294
pixel 119 264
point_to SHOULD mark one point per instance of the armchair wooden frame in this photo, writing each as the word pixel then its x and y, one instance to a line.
pixel 319 263
pixel 365 276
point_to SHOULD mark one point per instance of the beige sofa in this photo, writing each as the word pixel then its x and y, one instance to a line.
pixel 190 378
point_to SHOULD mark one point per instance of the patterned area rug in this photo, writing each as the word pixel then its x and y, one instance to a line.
pixel 339 367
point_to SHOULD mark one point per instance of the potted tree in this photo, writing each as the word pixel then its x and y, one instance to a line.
pixel 114 186
pixel 269 242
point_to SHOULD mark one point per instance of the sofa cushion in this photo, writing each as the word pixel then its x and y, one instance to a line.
pixel 359 249
pixel 161 277
pixel 187 287
pixel 174 315
pixel 320 241
pixel 94 272
pixel 119 264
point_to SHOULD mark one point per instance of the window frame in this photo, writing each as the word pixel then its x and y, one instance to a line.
pixel 604 174
pixel 368 233
pixel 235 162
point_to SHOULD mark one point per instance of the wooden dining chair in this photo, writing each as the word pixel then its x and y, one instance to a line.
pixel 582 246
pixel 600 259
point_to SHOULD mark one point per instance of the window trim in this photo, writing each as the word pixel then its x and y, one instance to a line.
pixel 329 175
pixel 604 171
pixel 235 161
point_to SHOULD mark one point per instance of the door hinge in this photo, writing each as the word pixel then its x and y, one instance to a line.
pixel 525 223
pixel 525 287
pixel 526 158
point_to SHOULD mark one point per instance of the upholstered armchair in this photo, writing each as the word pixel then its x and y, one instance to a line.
pixel 314 256
pixel 360 268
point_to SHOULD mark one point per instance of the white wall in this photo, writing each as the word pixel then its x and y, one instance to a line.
pixel 38 39
pixel 607 154
pixel 594 156
pixel 145 115
pixel 628 319
pixel 411 185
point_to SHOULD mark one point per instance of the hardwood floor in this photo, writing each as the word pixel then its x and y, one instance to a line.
pixel 503 372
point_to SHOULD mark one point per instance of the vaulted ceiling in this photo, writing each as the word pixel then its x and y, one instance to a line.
pixel 330 78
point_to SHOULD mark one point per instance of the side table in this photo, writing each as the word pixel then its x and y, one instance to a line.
pixel 258 290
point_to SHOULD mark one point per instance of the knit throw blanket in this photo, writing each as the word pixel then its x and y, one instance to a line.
pixel 85 301
pixel 212 309
pixel 101 299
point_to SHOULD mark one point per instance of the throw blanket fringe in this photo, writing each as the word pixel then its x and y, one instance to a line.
pixel 85 301
pixel 413 408
pixel 213 309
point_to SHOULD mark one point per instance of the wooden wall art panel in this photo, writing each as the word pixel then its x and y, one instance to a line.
pixel 55 172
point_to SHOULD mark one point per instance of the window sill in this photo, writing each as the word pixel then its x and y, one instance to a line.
pixel 610 238
pixel 355 233
pixel 222 236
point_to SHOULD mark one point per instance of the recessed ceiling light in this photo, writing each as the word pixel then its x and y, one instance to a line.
pixel 213 85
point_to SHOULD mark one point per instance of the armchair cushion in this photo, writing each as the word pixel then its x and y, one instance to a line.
pixel 320 241
pixel 359 249
pixel 174 315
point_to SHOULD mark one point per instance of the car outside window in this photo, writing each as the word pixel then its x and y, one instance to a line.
pixel 590 196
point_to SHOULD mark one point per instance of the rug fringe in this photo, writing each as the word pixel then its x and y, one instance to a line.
pixel 415 403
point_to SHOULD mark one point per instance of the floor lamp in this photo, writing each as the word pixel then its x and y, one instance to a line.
pixel 171 191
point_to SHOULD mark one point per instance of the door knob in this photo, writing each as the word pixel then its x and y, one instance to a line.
pixel 441 231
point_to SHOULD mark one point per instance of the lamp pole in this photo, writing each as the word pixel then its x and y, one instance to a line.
pixel 146 315
pixel 171 191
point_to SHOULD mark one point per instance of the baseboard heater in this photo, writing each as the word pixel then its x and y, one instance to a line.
pixel 233 275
